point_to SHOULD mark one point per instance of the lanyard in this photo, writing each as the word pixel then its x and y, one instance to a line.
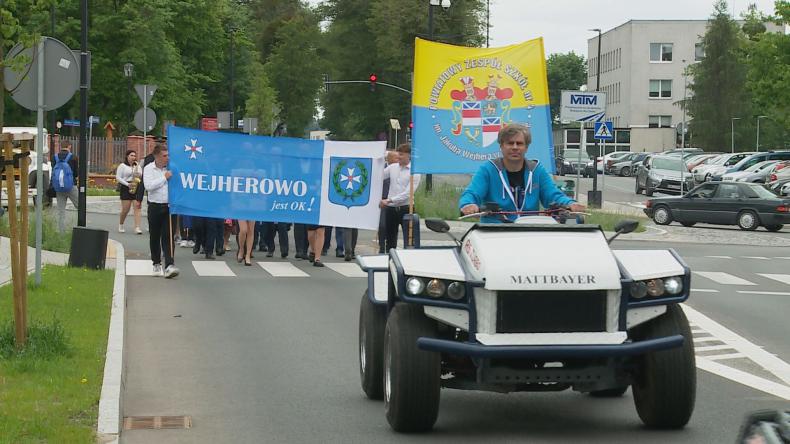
pixel 506 186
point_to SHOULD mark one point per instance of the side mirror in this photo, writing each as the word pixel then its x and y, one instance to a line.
pixel 626 226
pixel 437 225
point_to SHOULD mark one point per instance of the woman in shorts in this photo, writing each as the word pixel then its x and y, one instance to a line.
pixel 129 174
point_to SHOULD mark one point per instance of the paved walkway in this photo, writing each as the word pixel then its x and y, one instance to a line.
pixel 47 257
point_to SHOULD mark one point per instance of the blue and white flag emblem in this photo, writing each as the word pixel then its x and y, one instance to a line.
pixel 350 181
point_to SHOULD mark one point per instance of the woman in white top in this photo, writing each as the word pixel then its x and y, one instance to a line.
pixel 128 176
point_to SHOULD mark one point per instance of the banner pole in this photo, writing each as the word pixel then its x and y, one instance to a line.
pixel 411 210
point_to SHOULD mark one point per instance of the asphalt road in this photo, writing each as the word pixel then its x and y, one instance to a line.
pixel 257 358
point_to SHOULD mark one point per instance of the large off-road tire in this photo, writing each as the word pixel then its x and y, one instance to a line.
pixel 610 393
pixel 665 382
pixel 411 376
pixel 774 228
pixel 372 321
pixel 626 172
pixel 748 220
pixel 662 215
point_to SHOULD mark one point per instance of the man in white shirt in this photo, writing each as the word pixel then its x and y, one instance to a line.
pixel 396 205
pixel 155 177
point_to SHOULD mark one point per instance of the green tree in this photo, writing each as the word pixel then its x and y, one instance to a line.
pixel 295 71
pixel 768 79
pixel 564 72
pixel 262 102
pixel 718 86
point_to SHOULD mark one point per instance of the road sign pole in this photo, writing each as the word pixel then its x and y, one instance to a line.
pixel 603 168
pixel 582 146
pixel 145 120
pixel 39 163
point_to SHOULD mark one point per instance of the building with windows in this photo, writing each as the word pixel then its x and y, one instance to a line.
pixel 642 72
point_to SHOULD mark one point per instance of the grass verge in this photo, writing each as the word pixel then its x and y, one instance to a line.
pixel 97 191
pixel 51 239
pixel 49 392
pixel 443 203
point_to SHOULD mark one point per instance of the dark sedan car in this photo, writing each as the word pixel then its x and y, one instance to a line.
pixel 747 205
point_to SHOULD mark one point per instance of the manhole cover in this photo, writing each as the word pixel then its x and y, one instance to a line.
pixel 157 422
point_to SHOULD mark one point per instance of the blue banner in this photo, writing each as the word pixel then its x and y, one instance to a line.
pixel 274 179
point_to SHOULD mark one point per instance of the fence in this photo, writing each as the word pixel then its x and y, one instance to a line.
pixel 104 155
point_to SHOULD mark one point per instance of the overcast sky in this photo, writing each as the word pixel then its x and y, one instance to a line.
pixel 563 24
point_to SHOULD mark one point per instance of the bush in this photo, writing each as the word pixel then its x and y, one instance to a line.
pixel 51 238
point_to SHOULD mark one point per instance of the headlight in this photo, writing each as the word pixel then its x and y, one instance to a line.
pixel 673 285
pixel 456 290
pixel 655 287
pixel 414 286
pixel 435 288
pixel 638 290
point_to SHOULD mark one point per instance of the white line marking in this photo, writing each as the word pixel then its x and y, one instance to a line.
pixel 744 378
pixel 706 348
pixel 771 293
pixel 723 278
pixel 704 290
pixel 282 269
pixel 725 356
pixel 707 339
pixel 782 257
pixel 660 230
pixel 139 267
pixel 783 278
pixel 346 269
pixel 212 268
pixel 761 357
pixel 762 258
pixel 720 257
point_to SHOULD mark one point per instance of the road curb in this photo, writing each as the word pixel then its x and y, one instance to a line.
pixel 110 406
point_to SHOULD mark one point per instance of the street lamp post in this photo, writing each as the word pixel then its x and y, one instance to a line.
pixel 683 168
pixel 128 72
pixel 732 132
pixel 758 131
pixel 446 5
pixel 595 197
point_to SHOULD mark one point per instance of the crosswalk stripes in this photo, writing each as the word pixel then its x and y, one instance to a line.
pixel 723 278
pixel 346 269
pixel 212 268
pixel 282 269
pixel 783 278
pixel 138 267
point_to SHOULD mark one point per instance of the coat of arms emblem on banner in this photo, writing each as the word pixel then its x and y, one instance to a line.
pixel 479 113
pixel 350 181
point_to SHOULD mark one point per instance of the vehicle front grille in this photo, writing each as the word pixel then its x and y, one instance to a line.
pixel 551 311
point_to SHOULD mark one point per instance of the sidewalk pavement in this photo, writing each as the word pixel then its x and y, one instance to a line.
pixel 47 257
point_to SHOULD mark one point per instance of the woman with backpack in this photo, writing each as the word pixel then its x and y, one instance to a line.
pixel 129 174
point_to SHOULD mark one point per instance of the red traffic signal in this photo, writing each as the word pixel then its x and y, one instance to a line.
pixel 373 78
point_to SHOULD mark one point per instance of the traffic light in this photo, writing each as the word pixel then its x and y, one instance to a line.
pixel 373 79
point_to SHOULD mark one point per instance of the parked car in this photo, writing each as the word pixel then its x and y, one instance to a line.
pixel 781 171
pixel 779 187
pixel 684 150
pixel 662 173
pixel 755 173
pixel 602 162
pixel 622 166
pixel 747 205
pixel 638 159
pixel 701 159
pixel 571 162
pixel 752 160
pixel 703 173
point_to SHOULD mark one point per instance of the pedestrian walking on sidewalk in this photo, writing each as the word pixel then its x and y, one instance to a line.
pixel 129 175
pixel 64 180
pixel 156 177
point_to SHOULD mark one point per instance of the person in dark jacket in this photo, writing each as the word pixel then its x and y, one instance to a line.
pixel 73 193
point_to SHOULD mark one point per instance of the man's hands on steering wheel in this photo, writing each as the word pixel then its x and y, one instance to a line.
pixel 470 209
pixel 577 207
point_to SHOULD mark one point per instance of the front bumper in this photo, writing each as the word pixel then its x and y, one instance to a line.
pixel 670 186
pixel 477 350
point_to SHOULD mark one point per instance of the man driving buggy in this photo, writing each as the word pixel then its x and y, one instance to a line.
pixel 512 181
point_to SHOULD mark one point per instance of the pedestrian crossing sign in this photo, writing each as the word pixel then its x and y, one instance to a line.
pixel 603 131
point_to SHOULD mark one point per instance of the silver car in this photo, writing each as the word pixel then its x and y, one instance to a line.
pixel 663 174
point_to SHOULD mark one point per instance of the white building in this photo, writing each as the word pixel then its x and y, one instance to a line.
pixel 642 64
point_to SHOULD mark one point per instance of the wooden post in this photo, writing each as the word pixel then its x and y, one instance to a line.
pixel 17 280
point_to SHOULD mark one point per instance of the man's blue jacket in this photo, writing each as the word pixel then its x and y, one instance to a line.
pixel 490 184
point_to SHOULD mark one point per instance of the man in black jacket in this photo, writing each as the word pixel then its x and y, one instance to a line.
pixel 72 193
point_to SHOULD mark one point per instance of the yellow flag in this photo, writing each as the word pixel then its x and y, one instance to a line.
pixel 463 96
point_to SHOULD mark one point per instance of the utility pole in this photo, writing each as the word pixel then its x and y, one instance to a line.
pixel 232 75
pixel 595 197
pixel 83 149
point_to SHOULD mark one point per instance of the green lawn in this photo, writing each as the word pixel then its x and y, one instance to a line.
pixel 48 394
pixel 51 239
pixel 96 191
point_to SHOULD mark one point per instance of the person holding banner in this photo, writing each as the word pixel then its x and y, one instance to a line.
pixel 396 205
pixel 512 181
pixel 315 237
pixel 246 238
pixel 156 177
